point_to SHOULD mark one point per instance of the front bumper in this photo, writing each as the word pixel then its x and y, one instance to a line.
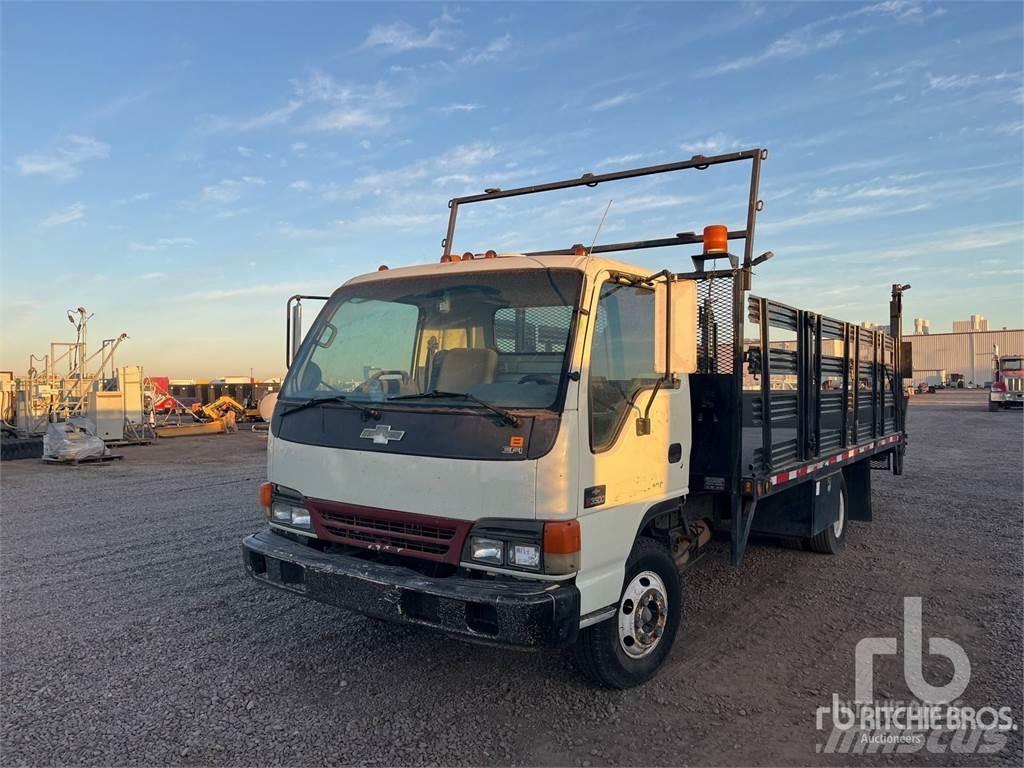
pixel 537 614
pixel 1011 399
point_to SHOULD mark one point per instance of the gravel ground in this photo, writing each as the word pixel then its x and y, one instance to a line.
pixel 131 636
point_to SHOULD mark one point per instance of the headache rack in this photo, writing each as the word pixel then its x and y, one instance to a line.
pixel 780 394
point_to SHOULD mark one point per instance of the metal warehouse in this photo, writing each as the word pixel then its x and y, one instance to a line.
pixel 970 353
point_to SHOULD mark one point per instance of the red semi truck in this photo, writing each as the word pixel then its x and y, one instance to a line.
pixel 1007 382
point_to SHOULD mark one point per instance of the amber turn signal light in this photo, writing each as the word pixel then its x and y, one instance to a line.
pixel 561 547
pixel 562 538
pixel 266 494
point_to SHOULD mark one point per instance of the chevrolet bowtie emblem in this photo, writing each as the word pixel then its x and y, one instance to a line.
pixel 382 434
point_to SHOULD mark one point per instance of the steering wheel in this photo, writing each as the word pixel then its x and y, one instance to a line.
pixel 536 378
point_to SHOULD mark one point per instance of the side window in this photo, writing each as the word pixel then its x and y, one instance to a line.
pixel 532 329
pixel 621 358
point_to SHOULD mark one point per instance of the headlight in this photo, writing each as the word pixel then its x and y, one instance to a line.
pixel 289 514
pixel 517 545
pixel 524 555
pixel 486 550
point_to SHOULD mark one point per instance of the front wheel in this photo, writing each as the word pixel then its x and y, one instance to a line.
pixel 629 648
pixel 993 406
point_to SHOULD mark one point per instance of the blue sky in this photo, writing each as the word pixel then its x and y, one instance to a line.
pixel 180 169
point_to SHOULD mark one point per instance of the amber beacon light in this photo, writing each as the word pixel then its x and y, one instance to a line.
pixel 716 239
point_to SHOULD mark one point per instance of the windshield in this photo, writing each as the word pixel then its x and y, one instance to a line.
pixel 1011 364
pixel 499 336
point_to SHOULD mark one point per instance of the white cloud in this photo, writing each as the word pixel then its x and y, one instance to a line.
pixel 137 198
pixel 453 178
pixel 63 164
pixel 886 85
pixel 812 37
pixel 711 145
pixel 299 147
pixel 467 156
pixel 231 213
pixel 397 220
pixel 863 192
pixel 153 276
pixel 1010 129
pixel 244 151
pixel 74 212
pixel 348 107
pixel 620 160
pixel 225 191
pixel 228 190
pixel 264 289
pixel 243 124
pixel 798 43
pixel 163 244
pixel 612 101
pixel 949 82
pixel 300 185
pixel 458 108
pixel 348 118
pixel 402 36
pixel 310 233
pixel 490 52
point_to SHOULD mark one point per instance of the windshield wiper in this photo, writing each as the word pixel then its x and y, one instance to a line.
pixel 506 417
pixel 371 413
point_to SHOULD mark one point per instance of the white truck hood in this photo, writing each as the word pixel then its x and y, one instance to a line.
pixel 442 487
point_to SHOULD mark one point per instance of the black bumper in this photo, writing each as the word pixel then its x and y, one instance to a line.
pixel 518 613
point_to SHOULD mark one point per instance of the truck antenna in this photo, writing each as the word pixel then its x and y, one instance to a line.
pixel 600 224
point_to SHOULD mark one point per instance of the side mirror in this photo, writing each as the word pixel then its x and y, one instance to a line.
pixel 675 326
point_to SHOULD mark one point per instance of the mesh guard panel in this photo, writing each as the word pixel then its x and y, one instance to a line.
pixel 715 324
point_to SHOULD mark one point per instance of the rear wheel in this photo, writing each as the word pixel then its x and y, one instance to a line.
pixel 832 540
pixel 629 648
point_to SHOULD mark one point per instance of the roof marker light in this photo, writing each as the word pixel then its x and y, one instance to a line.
pixel 716 239
pixel 491 255
pixel 382 268
pixel 447 258
pixel 467 256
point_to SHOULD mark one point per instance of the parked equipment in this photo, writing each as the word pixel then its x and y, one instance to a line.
pixel 528 449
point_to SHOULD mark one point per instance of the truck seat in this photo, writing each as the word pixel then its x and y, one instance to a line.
pixel 460 369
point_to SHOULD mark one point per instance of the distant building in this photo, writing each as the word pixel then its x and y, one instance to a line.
pixel 969 353
pixel 976 323
pixel 921 326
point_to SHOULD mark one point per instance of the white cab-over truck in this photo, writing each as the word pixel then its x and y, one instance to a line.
pixel 528 449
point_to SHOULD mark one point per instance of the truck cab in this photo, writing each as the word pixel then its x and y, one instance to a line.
pixel 471 425
pixel 1007 383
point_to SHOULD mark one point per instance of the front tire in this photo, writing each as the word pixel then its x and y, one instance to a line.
pixel 629 648
pixel 993 406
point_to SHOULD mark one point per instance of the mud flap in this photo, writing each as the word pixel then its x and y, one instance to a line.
pixel 742 517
